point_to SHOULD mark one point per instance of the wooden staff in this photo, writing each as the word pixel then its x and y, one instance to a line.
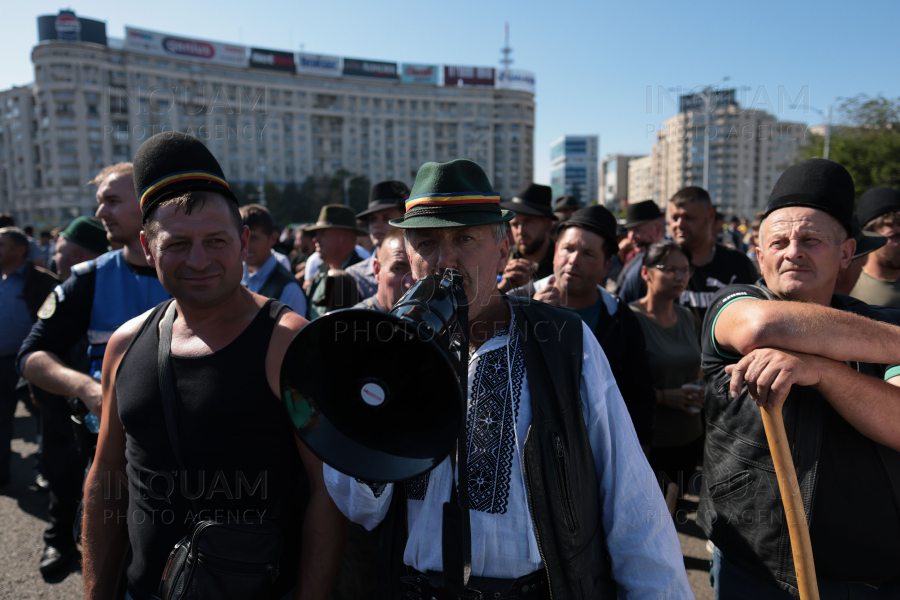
pixel 793 502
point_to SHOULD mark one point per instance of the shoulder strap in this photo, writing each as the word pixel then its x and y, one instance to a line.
pixel 891 461
pixel 167 388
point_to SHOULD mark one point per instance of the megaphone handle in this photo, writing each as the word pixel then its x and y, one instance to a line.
pixel 456 543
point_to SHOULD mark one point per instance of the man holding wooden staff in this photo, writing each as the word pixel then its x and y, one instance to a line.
pixel 838 358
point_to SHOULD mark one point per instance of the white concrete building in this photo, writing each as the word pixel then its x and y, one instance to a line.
pixel 265 115
pixel 748 150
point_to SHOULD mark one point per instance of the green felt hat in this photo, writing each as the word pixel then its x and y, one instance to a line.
pixel 337 216
pixel 452 194
pixel 87 232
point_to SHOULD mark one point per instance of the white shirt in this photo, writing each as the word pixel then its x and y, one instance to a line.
pixel 315 261
pixel 646 555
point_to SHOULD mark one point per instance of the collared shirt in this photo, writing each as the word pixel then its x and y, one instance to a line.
pixel 646 556
pixel 291 295
pixel 15 320
pixel 363 274
pixel 371 303
pixel 314 262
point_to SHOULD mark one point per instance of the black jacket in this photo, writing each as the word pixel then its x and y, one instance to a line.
pixel 561 478
pixel 39 283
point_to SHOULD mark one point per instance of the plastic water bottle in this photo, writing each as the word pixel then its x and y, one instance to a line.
pixel 92 422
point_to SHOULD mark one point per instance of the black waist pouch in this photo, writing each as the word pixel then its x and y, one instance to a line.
pixel 223 561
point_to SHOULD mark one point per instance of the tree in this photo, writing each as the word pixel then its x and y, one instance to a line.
pixel 866 141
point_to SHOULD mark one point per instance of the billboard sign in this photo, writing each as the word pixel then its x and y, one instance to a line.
pixel 272 60
pixel 355 67
pixel 468 76
pixel 515 80
pixel 66 27
pixel 317 64
pixel 163 44
pixel 419 74
pixel 698 101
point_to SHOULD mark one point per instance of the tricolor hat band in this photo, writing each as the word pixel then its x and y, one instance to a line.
pixel 452 199
pixel 178 177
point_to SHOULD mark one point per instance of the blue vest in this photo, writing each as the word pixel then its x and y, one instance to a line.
pixel 119 296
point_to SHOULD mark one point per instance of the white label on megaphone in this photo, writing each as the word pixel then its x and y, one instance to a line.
pixel 372 394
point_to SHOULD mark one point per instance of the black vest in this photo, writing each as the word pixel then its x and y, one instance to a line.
pixel 560 475
pixel 278 279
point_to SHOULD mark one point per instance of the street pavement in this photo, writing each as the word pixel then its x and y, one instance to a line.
pixel 23 517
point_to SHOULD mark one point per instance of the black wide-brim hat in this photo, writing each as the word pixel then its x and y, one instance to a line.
pixel 593 218
pixel 534 199
pixel 876 202
pixel 385 195
pixel 641 212
pixel 815 183
pixel 337 216
pixel 171 163
pixel 452 194
pixel 866 241
pixel 566 203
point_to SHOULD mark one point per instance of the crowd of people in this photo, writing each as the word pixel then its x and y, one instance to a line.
pixel 148 341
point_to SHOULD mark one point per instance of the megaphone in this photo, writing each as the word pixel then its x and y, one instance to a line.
pixel 376 395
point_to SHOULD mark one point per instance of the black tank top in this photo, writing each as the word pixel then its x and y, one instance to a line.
pixel 237 443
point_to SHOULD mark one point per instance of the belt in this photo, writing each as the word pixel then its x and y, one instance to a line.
pixel 427 586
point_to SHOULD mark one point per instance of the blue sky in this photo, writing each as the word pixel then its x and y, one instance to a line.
pixel 594 61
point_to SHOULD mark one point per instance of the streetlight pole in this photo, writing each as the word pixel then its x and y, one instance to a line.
pixel 827 134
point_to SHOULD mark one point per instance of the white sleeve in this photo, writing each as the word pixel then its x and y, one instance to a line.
pixel 366 504
pixel 312 266
pixel 646 555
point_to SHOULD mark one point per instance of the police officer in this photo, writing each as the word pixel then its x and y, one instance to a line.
pixel 101 295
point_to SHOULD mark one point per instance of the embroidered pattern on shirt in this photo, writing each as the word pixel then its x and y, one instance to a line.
pixel 416 488
pixel 491 426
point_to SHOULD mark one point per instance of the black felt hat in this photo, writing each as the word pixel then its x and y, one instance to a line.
pixel 594 218
pixel 87 232
pixel 452 194
pixel 171 163
pixel 876 202
pixel 815 183
pixel 385 195
pixel 534 199
pixel 866 241
pixel 566 203
pixel 642 212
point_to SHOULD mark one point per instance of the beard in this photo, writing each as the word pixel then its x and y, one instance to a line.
pixel 530 248
pixel 889 261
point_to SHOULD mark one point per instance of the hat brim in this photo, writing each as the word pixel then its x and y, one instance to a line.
pixel 525 209
pixel 457 219
pixel 330 226
pixel 363 216
pixel 870 242
pixel 630 224
pixel 590 226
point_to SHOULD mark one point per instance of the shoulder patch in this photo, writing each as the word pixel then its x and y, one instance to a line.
pixel 85 267
pixel 48 308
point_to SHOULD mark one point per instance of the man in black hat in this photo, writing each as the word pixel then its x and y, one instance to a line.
pixel 564 206
pixel 240 461
pixel 532 256
pixel 84 239
pixel 386 202
pixel 645 224
pixel 335 233
pixel 583 254
pixel 879 212
pixel 560 497
pixel 842 413
pixel 866 243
